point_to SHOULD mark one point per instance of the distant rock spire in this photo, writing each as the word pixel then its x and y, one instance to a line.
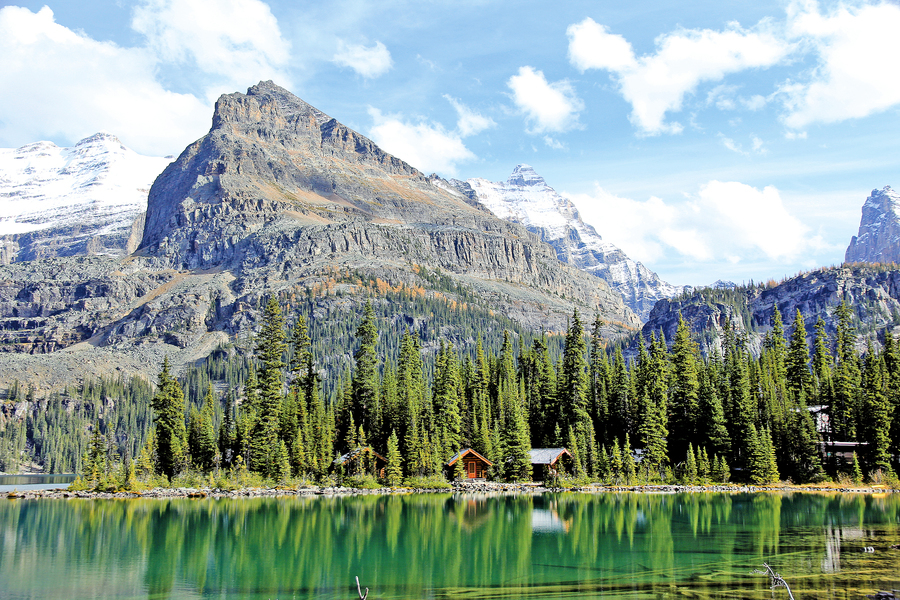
pixel 878 240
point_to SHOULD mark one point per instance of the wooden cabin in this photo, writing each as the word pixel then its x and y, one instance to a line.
pixel 550 462
pixel 361 460
pixel 475 465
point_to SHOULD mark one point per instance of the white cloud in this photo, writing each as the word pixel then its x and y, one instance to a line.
pixel 547 106
pixel 369 62
pixel 758 145
pixel 755 102
pixel 656 84
pixel 858 63
pixel 731 144
pixel 469 122
pixel 553 143
pixel 591 46
pixel 237 40
pixel 722 222
pixel 58 83
pixel 426 146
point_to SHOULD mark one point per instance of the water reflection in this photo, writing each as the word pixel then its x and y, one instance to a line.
pixel 441 545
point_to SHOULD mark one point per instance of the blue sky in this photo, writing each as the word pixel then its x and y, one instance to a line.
pixel 710 140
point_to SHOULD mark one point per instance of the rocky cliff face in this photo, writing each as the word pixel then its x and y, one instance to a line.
pixel 873 292
pixel 73 201
pixel 281 187
pixel 279 199
pixel 525 198
pixel 878 240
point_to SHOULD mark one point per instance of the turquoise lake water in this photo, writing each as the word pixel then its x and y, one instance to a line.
pixel 451 546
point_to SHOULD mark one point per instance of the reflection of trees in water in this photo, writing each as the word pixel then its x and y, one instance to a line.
pixel 418 545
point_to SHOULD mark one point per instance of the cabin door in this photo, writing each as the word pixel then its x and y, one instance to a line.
pixel 472 470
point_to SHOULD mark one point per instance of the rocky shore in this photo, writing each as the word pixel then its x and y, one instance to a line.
pixel 483 487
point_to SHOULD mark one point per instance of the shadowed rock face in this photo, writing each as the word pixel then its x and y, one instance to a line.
pixel 879 230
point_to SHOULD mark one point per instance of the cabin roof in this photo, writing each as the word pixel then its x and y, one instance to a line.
pixel 547 456
pixel 463 453
pixel 356 452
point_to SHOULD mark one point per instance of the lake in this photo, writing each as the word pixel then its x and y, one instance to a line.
pixel 451 546
pixel 22 483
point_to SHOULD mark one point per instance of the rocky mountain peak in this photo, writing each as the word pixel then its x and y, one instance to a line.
pixel 878 239
pixel 525 198
pixel 525 176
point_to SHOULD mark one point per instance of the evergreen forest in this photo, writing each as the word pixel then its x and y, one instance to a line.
pixel 666 414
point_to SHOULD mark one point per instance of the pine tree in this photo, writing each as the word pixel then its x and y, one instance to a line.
pixel 703 465
pixel 365 376
pixel 201 436
pixel 877 412
pixel 628 467
pixel 394 470
pixel 146 463
pixel 799 379
pixel 684 403
pixel 94 461
pixel 265 450
pixel 226 439
pixel 711 416
pixel 846 377
pixel 572 394
pixel 599 380
pixel 171 433
pixel 447 395
pixel 690 467
pixel 857 471
pixel 616 470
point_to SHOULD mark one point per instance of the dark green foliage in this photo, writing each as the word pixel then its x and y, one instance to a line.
pixel 171 433
pixel 266 456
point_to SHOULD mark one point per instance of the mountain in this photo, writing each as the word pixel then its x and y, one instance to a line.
pixel 279 198
pixel 878 240
pixel 87 199
pixel 525 198
pixel 871 291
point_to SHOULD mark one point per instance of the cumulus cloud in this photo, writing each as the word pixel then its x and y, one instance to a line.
pixel 851 43
pixel 237 40
pixel 656 84
pixel 469 122
pixel 548 107
pixel 858 60
pixel 369 62
pixel 723 221
pixel 426 146
pixel 58 83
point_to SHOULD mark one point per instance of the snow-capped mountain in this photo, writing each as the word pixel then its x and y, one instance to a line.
pixel 879 229
pixel 88 199
pixel 525 198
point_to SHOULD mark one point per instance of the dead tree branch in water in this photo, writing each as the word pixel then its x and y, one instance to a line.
pixel 775 579
pixel 363 597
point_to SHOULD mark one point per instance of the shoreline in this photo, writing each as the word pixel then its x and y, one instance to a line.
pixel 456 488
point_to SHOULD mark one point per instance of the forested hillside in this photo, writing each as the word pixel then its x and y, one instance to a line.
pixel 280 414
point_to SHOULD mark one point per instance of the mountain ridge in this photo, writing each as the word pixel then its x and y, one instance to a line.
pixel 527 199
pixel 280 199
pixel 87 199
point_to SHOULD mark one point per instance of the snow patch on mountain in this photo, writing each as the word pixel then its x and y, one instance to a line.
pixel 525 198
pixel 63 201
